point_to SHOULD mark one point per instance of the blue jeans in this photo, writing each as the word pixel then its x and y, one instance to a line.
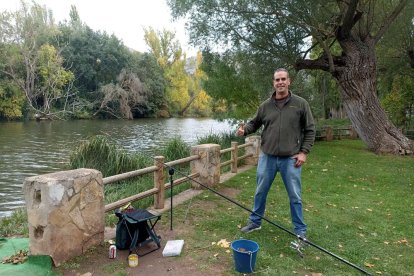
pixel 267 169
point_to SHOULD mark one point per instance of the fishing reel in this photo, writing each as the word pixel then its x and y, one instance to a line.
pixel 298 246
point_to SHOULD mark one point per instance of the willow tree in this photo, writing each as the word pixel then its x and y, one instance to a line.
pixel 287 30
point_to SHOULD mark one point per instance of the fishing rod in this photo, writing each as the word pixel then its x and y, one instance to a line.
pixel 305 240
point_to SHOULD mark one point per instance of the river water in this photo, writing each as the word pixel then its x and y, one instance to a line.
pixel 33 148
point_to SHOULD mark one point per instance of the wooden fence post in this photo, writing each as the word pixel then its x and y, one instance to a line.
pixel 352 132
pixel 234 156
pixel 329 133
pixel 159 182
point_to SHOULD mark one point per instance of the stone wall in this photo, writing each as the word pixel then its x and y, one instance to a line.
pixel 65 213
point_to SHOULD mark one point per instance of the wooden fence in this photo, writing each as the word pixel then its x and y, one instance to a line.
pixel 328 133
pixel 158 169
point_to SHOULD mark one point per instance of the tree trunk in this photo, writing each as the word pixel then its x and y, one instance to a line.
pixel 357 81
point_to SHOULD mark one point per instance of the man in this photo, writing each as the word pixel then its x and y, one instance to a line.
pixel 287 137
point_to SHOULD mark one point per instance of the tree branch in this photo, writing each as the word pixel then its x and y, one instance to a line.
pixel 387 22
pixel 349 19
pixel 322 63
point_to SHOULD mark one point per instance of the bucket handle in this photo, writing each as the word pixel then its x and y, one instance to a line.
pixel 251 259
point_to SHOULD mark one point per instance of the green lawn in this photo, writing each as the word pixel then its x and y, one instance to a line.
pixel 358 205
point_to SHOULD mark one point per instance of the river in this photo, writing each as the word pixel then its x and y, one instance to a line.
pixel 33 148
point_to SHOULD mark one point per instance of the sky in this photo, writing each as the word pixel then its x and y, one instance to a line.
pixel 123 18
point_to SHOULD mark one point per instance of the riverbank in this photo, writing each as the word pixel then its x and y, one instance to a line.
pixel 34 148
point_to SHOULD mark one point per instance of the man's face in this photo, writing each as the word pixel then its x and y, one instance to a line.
pixel 281 82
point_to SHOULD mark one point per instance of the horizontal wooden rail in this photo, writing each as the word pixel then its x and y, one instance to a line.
pixel 122 202
pixel 244 156
pixel 226 163
pixel 245 145
pixel 225 150
pixel 182 180
pixel 182 160
pixel 122 176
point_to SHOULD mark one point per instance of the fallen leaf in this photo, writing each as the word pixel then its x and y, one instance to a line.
pixel 228 251
pixel 239 226
pixel 317 258
pixel 324 170
pixel 215 255
pixel 368 265
pixel 223 243
pixel 316 274
pixel 403 241
pixel 370 210
pixel 386 242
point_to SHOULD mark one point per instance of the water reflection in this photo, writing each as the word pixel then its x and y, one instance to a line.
pixel 33 148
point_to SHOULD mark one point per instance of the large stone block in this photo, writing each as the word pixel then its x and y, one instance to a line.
pixel 208 165
pixel 65 213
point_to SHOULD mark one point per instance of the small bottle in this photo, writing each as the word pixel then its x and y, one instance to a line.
pixel 112 251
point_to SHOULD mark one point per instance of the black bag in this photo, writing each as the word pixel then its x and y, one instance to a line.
pixel 129 230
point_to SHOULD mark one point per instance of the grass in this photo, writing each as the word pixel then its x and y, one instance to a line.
pixel 16 224
pixel 357 205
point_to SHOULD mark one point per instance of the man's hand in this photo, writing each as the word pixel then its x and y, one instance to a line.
pixel 300 159
pixel 240 131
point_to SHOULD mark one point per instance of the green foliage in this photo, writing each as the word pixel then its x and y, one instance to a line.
pixel 11 101
pixel 399 103
pixel 16 224
pixel 99 152
pixel 175 149
pixel 233 82
pixel 150 73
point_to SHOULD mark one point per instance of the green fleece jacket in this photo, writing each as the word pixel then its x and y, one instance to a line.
pixel 287 130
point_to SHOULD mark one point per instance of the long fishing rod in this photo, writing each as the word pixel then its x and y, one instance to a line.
pixel 274 224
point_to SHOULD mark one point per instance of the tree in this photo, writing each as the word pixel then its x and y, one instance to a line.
pixel 200 100
pixel 120 99
pixel 150 73
pixel 170 57
pixel 285 31
pixel 29 62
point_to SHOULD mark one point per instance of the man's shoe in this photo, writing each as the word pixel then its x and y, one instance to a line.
pixel 250 227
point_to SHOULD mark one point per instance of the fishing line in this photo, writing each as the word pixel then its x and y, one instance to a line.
pixel 273 223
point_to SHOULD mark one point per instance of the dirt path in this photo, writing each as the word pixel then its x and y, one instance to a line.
pixel 97 262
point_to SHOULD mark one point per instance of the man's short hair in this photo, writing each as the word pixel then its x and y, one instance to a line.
pixel 281 70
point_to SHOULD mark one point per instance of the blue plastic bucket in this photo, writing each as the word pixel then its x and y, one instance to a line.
pixel 244 254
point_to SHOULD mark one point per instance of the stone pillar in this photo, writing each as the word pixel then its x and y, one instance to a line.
pixel 208 165
pixel 65 213
pixel 254 150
